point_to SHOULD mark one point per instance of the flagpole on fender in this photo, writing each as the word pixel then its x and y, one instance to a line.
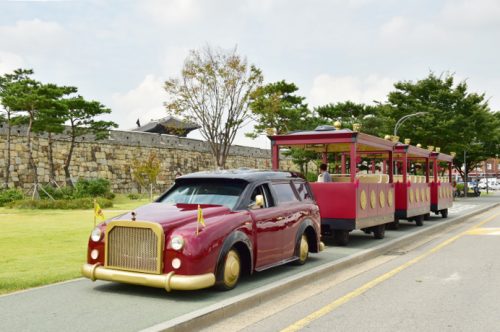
pixel 94 212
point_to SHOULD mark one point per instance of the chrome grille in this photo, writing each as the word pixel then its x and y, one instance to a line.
pixel 133 248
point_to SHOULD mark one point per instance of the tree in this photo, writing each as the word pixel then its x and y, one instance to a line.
pixel 51 120
pixel 146 172
pixel 213 92
pixel 276 105
pixel 372 118
pixel 27 97
pixel 80 117
pixel 455 120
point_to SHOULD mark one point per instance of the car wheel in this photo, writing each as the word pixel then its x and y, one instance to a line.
pixel 228 276
pixel 394 225
pixel 444 213
pixel 379 231
pixel 341 237
pixel 427 216
pixel 303 250
pixel 419 220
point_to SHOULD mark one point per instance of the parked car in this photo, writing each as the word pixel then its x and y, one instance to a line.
pixel 207 230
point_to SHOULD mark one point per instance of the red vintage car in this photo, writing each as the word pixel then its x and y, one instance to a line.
pixel 207 230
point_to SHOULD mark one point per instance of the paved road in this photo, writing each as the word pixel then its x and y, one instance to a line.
pixel 451 283
pixel 81 305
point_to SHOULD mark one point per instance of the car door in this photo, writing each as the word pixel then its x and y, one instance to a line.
pixel 268 226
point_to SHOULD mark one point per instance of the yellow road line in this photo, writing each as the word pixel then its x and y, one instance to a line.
pixel 484 231
pixel 355 293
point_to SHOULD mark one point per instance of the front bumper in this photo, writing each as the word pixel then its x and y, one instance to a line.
pixel 169 281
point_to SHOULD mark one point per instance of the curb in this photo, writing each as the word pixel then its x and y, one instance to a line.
pixel 202 318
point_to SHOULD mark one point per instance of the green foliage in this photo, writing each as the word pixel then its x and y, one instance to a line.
pixel 56 193
pixel 373 119
pixel 133 196
pixel 93 188
pixel 213 92
pixel 10 195
pixel 276 105
pixel 63 204
pixel 456 120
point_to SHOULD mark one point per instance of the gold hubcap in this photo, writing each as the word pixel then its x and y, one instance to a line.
pixel 232 268
pixel 304 248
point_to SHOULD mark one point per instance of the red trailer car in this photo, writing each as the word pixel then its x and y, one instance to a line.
pixel 352 200
pixel 413 194
pixel 441 187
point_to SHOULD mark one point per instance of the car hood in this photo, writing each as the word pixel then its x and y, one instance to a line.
pixel 173 216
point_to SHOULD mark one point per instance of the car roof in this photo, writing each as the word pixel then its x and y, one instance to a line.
pixel 246 174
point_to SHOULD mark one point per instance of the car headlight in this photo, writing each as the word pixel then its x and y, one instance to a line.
pixel 96 234
pixel 177 242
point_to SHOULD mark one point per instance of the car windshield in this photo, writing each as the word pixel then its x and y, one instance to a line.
pixel 204 192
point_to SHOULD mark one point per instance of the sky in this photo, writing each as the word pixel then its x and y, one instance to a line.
pixel 121 52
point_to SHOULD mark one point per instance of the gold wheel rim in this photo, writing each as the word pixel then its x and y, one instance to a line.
pixel 232 269
pixel 304 248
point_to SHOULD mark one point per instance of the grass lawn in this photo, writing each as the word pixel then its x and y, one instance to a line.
pixel 40 247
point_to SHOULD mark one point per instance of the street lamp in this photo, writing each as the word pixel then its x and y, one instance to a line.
pixel 403 119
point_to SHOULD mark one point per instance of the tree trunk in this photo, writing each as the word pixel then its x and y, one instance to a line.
pixel 67 162
pixel 31 160
pixel 7 160
pixel 52 171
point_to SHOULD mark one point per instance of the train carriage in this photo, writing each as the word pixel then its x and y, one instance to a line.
pixel 413 193
pixel 353 200
pixel 441 187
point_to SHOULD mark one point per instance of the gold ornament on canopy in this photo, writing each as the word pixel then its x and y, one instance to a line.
pixel 453 154
pixel 407 141
pixel 430 147
pixel 419 145
pixel 438 149
pixel 356 127
pixel 337 124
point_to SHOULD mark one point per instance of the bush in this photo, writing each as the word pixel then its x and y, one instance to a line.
pixel 56 193
pixel 133 196
pixel 10 195
pixel 64 204
pixel 93 188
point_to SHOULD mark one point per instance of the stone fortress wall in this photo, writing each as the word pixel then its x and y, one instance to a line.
pixel 112 158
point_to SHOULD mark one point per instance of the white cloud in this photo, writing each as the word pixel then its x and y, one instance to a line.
pixel 32 36
pixel 332 89
pixel 173 61
pixel 9 62
pixel 471 13
pixel 172 11
pixel 145 102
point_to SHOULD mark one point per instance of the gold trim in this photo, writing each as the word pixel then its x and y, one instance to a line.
pixel 362 199
pixel 382 199
pixel 428 193
pixel 167 281
pixel 411 195
pixel 321 246
pixel 417 195
pixel 422 194
pixel 373 199
pixel 232 268
pixel 390 198
pixel 155 227
pixel 304 248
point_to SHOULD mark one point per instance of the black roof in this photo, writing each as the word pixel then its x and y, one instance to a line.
pixel 246 174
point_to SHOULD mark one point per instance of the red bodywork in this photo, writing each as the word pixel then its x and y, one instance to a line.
pixel 272 233
pixel 412 199
pixel 441 192
pixel 351 204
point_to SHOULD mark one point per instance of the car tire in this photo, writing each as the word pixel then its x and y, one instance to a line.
pixel 229 275
pixel 379 231
pixel 444 213
pixel 419 220
pixel 427 216
pixel 341 237
pixel 393 225
pixel 303 250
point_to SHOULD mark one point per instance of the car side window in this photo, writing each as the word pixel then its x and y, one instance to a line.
pixel 284 192
pixel 302 190
pixel 264 191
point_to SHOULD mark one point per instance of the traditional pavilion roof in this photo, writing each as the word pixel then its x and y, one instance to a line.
pixel 168 125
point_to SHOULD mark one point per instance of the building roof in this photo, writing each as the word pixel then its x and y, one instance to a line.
pixel 168 125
